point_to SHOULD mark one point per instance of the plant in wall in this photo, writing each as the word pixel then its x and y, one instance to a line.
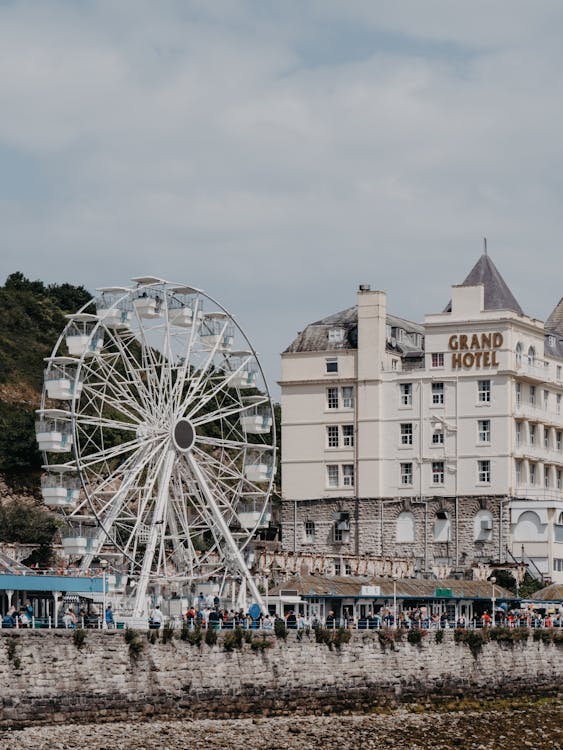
pixel 79 637
pixel 136 645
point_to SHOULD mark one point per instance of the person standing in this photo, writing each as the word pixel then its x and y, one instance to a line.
pixel 109 617
pixel 156 617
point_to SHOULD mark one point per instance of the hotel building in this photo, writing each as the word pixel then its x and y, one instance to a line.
pixel 439 442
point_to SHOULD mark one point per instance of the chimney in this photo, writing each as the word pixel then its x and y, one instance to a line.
pixel 372 320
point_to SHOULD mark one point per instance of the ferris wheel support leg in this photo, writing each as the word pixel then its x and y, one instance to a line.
pixel 156 529
pixel 236 555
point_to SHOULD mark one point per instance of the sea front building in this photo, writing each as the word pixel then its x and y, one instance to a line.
pixel 440 443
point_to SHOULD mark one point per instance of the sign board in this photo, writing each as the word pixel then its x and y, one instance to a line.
pixel 443 592
pixel 370 591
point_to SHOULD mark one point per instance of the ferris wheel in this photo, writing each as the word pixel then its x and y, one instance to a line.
pixel 158 435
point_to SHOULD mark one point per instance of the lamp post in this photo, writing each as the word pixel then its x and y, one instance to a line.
pixel 104 564
pixel 493 600
pixel 266 576
pixel 395 603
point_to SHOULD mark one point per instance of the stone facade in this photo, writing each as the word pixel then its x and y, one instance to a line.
pixel 375 532
pixel 47 679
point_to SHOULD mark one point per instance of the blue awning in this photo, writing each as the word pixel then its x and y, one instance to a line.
pixel 51 583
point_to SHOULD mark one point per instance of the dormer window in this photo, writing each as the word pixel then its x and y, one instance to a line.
pixel 336 335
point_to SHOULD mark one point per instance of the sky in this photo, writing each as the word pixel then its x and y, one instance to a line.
pixel 278 154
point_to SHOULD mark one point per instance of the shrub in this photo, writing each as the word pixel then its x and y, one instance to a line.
pixel 233 640
pixel 79 638
pixel 194 637
pixel 387 637
pixel 211 636
pixel 474 639
pixel 545 636
pixel 167 633
pixel 341 636
pixel 136 645
pixel 323 635
pixel 261 644
pixel 415 636
pixel 439 636
pixel 280 629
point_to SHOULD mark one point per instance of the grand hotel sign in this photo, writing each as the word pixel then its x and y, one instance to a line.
pixel 478 350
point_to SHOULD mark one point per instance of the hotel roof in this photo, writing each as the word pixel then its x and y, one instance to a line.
pixel 497 293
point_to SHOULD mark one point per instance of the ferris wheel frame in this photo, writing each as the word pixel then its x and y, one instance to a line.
pixel 149 393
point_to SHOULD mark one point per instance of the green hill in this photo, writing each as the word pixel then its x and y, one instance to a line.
pixel 31 319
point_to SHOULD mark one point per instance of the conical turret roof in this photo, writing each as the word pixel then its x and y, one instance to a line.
pixel 554 324
pixel 497 294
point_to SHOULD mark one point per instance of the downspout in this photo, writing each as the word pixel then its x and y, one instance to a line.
pixel 420 467
pixel 294 526
pixel 357 464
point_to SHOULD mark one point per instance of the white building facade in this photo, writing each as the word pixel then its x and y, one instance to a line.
pixel 440 442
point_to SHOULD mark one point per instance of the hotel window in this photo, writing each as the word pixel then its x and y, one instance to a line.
pixel 558 372
pixel 332 436
pixel 484 471
pixel 332 475
pixel 558 404
pixel 531 356
pixel 559 479
pixel 406 433
pixel 532 434
pixel 332 398
pixel 558 440
pixel 545 400
pixel 484 430
pixel 348 435
pixel 533 394
pixel 532 474
pixel 331 365
pixel 546 472
pixel 309 531
pixel 406 473
pixel 437 359
pixel 484 391
pixel 546 437
pixel 347 569
pixel 348 397
pixel 518 354
pixel 406 394
pixel 437 472
pixel 438 437
pixel 518 388
pixel 518 434
pixel 437 393
pixel 518 473
pixel 336 335
pixel 337 538
pixel 348 475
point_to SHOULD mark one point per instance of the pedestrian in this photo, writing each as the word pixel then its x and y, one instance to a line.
pixel 156 618
pixel 109 617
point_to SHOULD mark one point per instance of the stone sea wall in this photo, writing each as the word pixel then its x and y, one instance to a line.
pixel 47 678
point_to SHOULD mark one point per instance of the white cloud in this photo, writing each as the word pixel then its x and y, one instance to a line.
pixel 277 155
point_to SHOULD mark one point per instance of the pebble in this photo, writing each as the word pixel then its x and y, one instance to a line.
pixel 485 729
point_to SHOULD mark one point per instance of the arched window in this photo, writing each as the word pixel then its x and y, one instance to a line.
pixel 483 526
pixel 518 354
pixel 531 356
pixel 442 526
pixel 405 527
pixel 529 528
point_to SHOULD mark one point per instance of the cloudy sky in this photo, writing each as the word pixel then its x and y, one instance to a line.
pixel 276 154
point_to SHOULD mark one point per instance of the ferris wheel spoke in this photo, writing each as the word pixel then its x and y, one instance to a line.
pixel 226 412
pixel 232 549
pixel 177 391
pixel 225 443
pixel 212 393
pixel 104 422
pixel 127 357
pixel 108 454
pixel 197 382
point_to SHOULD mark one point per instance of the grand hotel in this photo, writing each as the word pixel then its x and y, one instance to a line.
pixel 439 442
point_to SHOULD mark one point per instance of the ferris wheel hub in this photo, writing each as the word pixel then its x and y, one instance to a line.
pixel 183 435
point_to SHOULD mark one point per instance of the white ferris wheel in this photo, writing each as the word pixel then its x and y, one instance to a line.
pixel 158 435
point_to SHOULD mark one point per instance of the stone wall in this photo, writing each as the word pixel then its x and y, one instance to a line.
pixel 46 678
pixel 373 524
